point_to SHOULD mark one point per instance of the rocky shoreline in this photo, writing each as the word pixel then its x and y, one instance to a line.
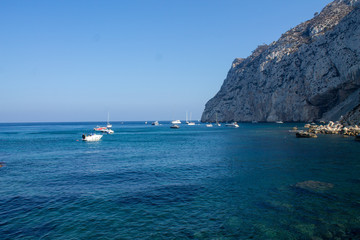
pixel 330 128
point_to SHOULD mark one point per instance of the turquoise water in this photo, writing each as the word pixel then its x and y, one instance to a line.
pixel 153 182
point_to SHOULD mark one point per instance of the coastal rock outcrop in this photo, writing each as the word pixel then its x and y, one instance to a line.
pixel 311 73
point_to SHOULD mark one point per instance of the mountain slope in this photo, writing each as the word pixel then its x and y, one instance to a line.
pixel 312 72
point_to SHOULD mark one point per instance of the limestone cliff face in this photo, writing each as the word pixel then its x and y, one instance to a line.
pixel 311 73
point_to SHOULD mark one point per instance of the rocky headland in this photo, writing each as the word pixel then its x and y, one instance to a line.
pixel 312 73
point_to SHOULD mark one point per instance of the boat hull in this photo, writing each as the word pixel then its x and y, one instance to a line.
pixel 91 138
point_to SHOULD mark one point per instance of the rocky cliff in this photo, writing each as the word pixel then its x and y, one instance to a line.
pixel 311 73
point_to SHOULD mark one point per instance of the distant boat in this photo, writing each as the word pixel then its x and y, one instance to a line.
pixel 174 126
pixel 279 122
pixel 108 131
pixel 108 123
pixel 156 123
pixel 98 128
pixel 209 125
pixel 189 122
pixel 234 125
pixel 176 122
pixel 91 137
pixel 217 123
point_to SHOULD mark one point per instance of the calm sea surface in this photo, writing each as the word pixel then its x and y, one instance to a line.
pixel 153 182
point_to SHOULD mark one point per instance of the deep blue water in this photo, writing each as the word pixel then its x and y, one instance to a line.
pixel 153 182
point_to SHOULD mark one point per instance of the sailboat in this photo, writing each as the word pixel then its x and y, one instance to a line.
pixel 189 123
pixel 108 123
pixel 217 123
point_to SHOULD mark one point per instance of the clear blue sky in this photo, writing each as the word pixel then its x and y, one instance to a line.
pixel 140 60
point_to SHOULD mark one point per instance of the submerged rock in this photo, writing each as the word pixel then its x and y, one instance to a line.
pixel 306 230
pixel 277 205
pixel 314 186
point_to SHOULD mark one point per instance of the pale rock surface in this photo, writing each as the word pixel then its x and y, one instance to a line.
pixel 311 73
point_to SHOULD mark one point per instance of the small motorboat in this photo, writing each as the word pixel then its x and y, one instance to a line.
pixel 176 122
pixel 108 131
pixel 209 125
pixel 191 123
pixel 234 125
pixel 174 126
pixel 98 128
pixel 156 123
pixel 91 137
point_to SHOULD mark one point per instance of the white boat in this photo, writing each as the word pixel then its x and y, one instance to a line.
pixel 234 125
pixel 279 122
pixel 98 128
pixel 189 122
pixel 91 137
pixel 108 131
pixel 209 125
pixel 217 123
pixel 176 122
pixel 156 123
pixel 174 126
pixel 108 123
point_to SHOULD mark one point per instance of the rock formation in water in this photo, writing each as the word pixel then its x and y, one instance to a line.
pixel 311 73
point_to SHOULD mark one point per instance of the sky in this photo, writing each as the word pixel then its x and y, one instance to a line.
pixel 139 60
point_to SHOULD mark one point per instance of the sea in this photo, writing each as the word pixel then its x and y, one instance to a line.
pixel 257 181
